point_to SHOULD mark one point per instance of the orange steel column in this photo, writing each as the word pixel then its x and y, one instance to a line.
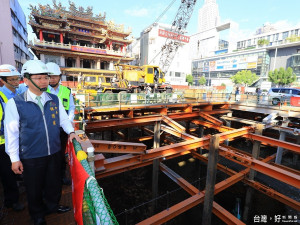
pixel 210 179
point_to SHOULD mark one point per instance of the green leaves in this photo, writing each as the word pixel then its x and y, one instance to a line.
pixel 282 77
pixel 189 79
pixel 202 80
pixel 245 77
pixel 263 42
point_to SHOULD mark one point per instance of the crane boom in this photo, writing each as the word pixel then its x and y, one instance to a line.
pixel 179 25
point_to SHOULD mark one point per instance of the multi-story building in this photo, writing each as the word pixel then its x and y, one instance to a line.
pixel 273 38
pixel 78 40
pixel 208 16
pixel 13 38
pixel 217 60
pixel 219 68
pixel 151 41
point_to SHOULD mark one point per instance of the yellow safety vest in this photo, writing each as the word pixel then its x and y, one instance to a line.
pixel 3 99
pixel 64 96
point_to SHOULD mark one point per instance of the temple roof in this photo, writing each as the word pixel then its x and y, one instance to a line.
pixel 59 13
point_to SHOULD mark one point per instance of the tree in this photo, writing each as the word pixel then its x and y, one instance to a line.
pixel 263 42
pixel 189 79
pixel 282 77
pixel 292 38
pixel 245 77
pixel 202 80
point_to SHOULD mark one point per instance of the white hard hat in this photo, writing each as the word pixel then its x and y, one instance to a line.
pixel 53 68
pixel 7 70
pixel 34 67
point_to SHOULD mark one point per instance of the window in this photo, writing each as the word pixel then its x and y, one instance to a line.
pixel 177 74
pixel 249 42
pixel 269 37
pixel 296 92
pixel 90 79
pixel 150 70
pixel 277 37
pixel 296 32
pixel 292 32
pixel 13 16
pixel 14 32
pixel 285 35
pixel 276 90
pixel 285 91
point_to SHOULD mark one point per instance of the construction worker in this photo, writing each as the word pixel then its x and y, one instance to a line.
pixel 11 86
pixel 8 75
pixel 66 97
pixel 32 127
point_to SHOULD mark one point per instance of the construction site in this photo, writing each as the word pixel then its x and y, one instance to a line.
pixel 192 162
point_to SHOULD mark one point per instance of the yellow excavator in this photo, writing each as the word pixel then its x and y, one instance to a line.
pixel 127 78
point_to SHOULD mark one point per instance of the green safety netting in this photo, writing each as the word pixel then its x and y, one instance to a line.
pixel 95 208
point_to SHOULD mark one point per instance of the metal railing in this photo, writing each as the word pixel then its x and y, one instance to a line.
pixel 122 98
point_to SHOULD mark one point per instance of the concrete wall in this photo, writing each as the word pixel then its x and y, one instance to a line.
pixel 283 55
pixel 6 37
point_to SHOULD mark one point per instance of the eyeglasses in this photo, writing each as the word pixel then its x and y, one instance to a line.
pixel 41 78
pixel 14 80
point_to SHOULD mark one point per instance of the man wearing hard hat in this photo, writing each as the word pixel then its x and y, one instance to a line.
pixel 32 124
pixel 66 97
pixel 11 81
pixel 11 77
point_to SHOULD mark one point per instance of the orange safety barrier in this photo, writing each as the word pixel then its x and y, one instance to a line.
pixel 295 101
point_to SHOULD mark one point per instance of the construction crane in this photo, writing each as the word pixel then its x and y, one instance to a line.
pixel 178 27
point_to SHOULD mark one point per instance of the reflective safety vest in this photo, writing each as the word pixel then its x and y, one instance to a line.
pixel 64 96
pixel 3 98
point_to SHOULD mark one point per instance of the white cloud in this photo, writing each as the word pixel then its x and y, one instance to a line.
pixel 283 24
pixel 137 12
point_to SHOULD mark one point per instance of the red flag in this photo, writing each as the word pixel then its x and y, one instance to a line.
pixel 79 175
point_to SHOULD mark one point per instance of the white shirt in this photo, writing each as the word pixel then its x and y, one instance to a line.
pixel 71 106
pixel 12 119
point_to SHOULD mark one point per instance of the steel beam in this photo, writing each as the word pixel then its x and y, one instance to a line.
pixel 219 211
pixel 240 120
pixel 94 126
pixel 254 184
pixel 211 119
pixel 177 134
pixel 118 147
pixel 272 171
pixel 173 124
pixel 210 125
pixel 275 142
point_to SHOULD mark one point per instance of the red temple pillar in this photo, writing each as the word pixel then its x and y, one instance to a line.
pixel 41 36
pixel 61 38
pixel 124 47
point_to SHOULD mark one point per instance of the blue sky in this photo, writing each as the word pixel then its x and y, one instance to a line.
pixel 139 14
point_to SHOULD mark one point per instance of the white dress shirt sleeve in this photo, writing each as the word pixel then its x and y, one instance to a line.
pixel 65 123
pixel 11 130
pixel 71 108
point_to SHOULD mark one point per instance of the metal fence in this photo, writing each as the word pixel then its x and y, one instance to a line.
pixel 121 99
